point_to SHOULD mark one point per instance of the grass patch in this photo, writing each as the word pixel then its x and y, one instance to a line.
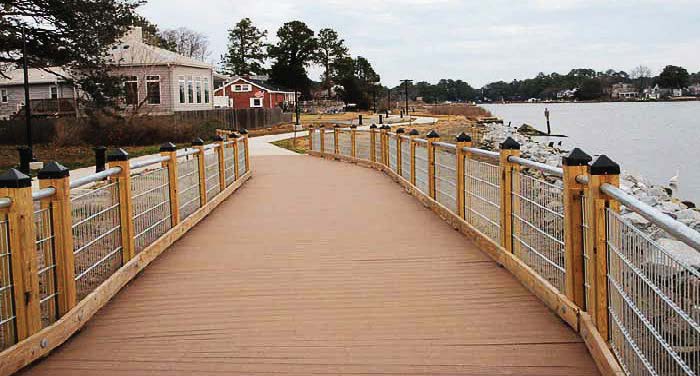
pixel 301 146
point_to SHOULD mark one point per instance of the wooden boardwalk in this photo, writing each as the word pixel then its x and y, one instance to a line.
pixel 322 268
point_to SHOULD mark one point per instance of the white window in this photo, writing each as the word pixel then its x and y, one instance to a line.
pixel 153 89
pixel 242 88
pixel 198 88
pixel 3 96
pixel 190 90
pixel 53 92
pixel 181 82
pixel 256 102
pixel 206 89
pixel 131 87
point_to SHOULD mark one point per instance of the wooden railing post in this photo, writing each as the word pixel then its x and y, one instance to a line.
pixel 575 163
pixel 399 133
pixel 353 140
pixel 373 142
pixel 509 148
pixel 463 140
pixel 432 137
pixel 120 158
pixel 244 133
pixel 25 278
pixel 336 147
pixel 56 176
pixel 321 134
pixel 234 137
pixel 601 171
pixel 383 135
pixel 169 149
pixel 222 162
pixel 198 144
pixel 413 134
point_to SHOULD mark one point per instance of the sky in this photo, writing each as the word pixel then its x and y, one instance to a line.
pixel 475 41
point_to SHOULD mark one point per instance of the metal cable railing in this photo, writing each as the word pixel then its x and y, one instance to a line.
pixel 229 165
pixel 421 167
pixel 482 197
pixel 363 147
pixel 150 195
pixel 446 178
pixel 211 174
pixel 392 153
pixel 8 333
pixel 378 147
pixel 188 186
pixel 345 142
pixel 242 158
pixel 406 158
pixel 96 236
pixel 329 142
pixel 316 140
pixel 46 264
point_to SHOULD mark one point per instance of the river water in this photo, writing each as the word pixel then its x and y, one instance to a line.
pixel 654 140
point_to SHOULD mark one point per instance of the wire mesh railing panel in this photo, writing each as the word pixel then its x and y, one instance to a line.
pixel 316 142
pixel 654 304
pixel 8 334
pixel 587 254
pixel 96 236
pixel 329 142
pixel 406 159
pixel 392 153
pixel 446 178
pixel 538 227
pixel 211 173
pixel 421 164
pixel 229 165
pixel 188 185
pixel 46 265
pixel 242 158
pixel 362 147
pixel 150 197
pixel 378 148
pixel 482 197
pixel 345 143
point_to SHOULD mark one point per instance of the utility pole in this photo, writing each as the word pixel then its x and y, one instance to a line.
pixel 388 101
pixel 374 98
pixel 406 82
pixel 27 105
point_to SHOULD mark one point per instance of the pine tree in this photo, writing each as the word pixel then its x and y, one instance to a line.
pixel 246 49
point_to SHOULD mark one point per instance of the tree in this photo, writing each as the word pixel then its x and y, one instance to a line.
pixel 152 34
pixel 293 53
pixel 590 89
pixel 187 42
pixel 673 77
pixel 246 49
pixel 58 36
pixel 641 74
pixel 330 49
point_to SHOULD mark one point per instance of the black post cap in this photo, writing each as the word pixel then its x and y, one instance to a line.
pixel 117 155
pixel 373 126
pixel 244 131
pixel 576 157
pixel 353 126
pixel 336 126
pixel 463 137
pixel 218 138
pixel 197 142
pixel 233 135
pixel 53 170
pixel 99 149
pixel 388 128
pixel 14 178
pixel 603 165
pixel 400 131
pixel 168 146
pixel 413 132
pixel 510 144
pixel 432 134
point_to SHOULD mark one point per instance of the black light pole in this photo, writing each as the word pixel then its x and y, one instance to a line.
pixel 388 101
pixel 27 106
pixel 406 82
pixel 297 109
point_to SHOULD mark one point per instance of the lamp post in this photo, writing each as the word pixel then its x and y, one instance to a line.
pixel 406 82
pixel 27 105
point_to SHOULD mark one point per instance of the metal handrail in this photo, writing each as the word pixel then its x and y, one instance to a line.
pixel 43 193
pixel 5 202
pixel 668 224
pixel 93 178
pixel 445 145
pixel 211 146
pixel 420 141
pixel 482 152
pixel 148 162
pixel 187 152
pixel 582 179
pixel 551 170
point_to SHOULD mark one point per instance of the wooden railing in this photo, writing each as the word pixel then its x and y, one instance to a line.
pixel 560 232
pixel 70 246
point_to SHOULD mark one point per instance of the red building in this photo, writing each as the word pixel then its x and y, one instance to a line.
pixel 250 93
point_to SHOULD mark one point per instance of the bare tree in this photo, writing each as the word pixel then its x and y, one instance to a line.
pixel 187 42
pixel 641 74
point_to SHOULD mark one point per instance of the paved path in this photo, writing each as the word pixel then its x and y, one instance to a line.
pixel 322 268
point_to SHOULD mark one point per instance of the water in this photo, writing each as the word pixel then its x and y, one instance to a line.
pixel 654 140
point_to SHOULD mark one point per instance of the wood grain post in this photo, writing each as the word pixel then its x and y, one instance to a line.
pixel 336 132
pixel 234 137
pixel 413 134
pixel 509 148
pixel 463 140
pixel 432 137
pixel 383 136
pixel 56 176
pixel 199 145
pixel 244 133
pixel 120 158
pixel 353 140
pixel 373 143
pixel 169 149
pixel 399 155
pixel 575 163
pixel 23 263
pixel 321 134
pixel 601 171
pixel 222 162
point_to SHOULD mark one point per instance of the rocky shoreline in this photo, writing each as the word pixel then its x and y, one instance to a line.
pixel 656 196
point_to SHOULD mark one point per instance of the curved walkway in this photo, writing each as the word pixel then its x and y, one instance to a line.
pixel 322 268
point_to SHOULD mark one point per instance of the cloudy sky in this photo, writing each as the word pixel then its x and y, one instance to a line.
pixel 476 41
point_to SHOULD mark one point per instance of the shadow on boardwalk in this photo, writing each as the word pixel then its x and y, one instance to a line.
pixel 318 267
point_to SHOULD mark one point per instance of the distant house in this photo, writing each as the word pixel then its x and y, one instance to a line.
pixel 622 90
pixel 49 93
pixel 657 92
pixel 567 94
pixel 251 93
pixel 694 90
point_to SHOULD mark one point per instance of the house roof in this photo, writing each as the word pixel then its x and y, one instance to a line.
pixel 132 51
pixel 258 83
pixel 36 76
